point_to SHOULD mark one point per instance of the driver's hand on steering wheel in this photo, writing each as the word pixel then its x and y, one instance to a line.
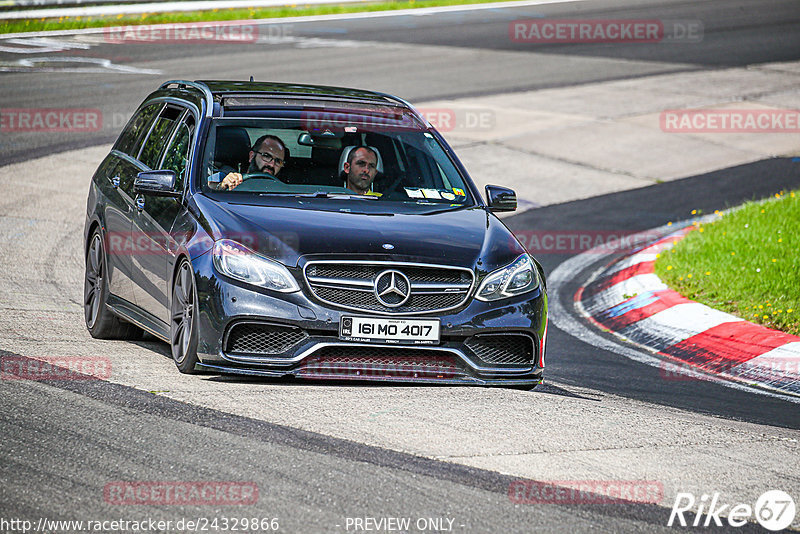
pixel 231 181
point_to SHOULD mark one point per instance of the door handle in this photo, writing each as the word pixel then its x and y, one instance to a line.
pixel 140 203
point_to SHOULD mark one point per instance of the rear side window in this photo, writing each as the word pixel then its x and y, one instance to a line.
pixel 159 135
pixel 129 141
pixel 176 157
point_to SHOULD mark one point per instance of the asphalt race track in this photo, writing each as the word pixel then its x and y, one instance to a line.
pixel 323 454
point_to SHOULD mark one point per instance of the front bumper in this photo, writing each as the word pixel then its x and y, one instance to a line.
pixel 318 353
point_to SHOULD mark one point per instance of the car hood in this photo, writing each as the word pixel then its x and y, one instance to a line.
pixel 462 237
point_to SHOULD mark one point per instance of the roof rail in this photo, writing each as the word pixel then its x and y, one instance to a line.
pixel 203 88
pixel 244 93
pixel 245 100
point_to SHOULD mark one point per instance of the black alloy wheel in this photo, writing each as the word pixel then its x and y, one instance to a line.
pixel 183 322
pixel 100 321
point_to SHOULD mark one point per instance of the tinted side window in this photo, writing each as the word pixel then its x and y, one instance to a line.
pixel 176 157
pixel 129 140
pixel 127 172
pixel 159 134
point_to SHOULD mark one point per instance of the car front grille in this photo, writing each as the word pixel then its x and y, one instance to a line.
pixel 353 286
pixel 367 301
pixel 502 349
pixel 260 338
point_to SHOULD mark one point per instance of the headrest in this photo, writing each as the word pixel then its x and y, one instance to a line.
pixel 348 149
pixel 233 147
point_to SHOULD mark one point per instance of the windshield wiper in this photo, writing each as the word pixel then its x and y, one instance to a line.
pixel 323 194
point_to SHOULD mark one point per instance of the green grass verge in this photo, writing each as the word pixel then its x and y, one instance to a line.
pixel 747 263
pixel 297 10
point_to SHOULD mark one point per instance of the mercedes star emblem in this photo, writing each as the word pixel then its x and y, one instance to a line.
pixel 392 288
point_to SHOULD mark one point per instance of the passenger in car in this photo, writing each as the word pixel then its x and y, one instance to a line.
pixel 360 170
pixel 268 155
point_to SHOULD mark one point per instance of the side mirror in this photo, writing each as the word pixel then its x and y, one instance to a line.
pixel 159 183
pixel 501 198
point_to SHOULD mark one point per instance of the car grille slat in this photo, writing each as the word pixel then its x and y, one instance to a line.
pixel 433 288
pixel 363 272
pixel 510 349
pixel 260 338
pixel 382 362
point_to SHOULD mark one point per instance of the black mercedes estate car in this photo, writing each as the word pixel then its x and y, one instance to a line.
pixel 320 232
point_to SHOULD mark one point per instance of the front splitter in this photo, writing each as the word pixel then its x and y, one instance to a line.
pixel 358 375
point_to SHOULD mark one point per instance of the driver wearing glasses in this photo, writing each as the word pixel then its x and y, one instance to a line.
pixel 267 156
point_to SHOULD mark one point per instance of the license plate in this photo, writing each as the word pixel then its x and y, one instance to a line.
pixel 388 330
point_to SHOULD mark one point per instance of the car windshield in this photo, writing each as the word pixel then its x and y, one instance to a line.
pixel 408 165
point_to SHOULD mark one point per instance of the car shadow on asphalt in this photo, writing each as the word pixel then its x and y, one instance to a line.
pixel 547 389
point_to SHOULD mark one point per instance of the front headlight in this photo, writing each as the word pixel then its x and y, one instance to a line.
pixel 240 263
pixel 515 279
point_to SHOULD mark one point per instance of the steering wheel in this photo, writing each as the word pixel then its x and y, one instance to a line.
pixel 258 182
pixel 261 175
pixel 392 191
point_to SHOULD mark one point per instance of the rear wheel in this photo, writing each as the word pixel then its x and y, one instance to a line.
pixel 101 323
pixel 183 322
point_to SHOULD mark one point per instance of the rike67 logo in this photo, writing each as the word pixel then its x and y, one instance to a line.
pixel 774 510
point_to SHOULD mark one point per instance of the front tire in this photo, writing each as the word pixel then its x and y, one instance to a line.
pixel 183 320
pixel 101 323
